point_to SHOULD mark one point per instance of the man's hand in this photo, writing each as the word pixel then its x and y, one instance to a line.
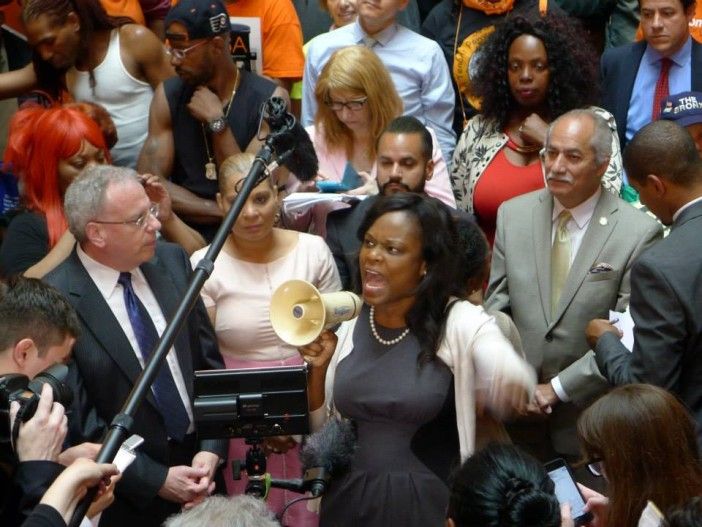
pixel 598 327
pixel 41 438
pixel 205 105
pixel 184 484
pixel 545 399
pixel 208 461
pixel 87 450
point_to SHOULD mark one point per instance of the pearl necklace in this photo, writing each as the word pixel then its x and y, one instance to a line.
pixel 374 330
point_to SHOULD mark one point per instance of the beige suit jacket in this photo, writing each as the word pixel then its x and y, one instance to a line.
pixel 520 285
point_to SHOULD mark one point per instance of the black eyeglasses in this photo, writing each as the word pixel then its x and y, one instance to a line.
pixel 596 467
pixel 354 105
pixel 140 222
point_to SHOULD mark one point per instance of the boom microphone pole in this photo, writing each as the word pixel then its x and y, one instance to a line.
pixel 278 149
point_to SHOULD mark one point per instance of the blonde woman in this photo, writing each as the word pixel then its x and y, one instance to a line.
pixel 356 100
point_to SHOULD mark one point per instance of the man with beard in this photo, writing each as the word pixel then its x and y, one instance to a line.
pixel 207 113
pixel 561 255
pixel 404 165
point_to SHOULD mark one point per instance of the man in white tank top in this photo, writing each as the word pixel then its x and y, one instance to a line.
pixel 105 59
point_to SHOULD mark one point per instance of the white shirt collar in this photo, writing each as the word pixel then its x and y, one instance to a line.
pixel 581 213
pixel 383 37
pixel 105 277
pixel 686 206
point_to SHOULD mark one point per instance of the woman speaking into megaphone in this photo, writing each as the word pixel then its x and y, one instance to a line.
pixel 255 260
pixel 409 370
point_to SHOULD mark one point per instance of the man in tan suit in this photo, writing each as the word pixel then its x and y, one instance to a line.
pixel 562 256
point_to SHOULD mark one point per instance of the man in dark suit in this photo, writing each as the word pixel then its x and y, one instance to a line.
pixel 666 295
pixel 562 255
pixel 125 285
pixel 404 165
pixel 637 76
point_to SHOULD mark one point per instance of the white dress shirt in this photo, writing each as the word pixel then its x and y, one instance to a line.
pixel 582 214
pixel 105 278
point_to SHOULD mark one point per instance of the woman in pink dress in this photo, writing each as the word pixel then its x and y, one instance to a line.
pixel 257 258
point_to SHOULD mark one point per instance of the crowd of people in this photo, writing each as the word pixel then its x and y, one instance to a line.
pixel 512 187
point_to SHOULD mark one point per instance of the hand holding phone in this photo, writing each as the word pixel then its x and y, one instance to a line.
pixel 567 490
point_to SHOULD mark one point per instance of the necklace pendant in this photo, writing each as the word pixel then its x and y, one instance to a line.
pixel 210 171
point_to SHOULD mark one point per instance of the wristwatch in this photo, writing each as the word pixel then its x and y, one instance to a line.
pixel 217 126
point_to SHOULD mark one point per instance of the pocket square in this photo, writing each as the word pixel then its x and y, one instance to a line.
pixel 601 267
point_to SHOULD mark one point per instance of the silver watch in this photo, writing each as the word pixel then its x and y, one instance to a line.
pixel 217 126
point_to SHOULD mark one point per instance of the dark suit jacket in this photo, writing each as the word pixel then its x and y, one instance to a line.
pixel 666 305
pixel 342 226
pixel 105 368
pixel 618 70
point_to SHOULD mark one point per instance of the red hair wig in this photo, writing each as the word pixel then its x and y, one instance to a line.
pixel 38 139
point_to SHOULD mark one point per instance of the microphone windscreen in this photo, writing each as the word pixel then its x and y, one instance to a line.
pixel 291 136
pixel 331 447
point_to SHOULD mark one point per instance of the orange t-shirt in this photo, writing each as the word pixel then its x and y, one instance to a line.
pixel 281 35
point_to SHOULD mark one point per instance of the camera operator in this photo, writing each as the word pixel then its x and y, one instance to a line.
pixel 37 330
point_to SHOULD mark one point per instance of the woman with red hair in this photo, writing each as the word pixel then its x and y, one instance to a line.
pixel 47 149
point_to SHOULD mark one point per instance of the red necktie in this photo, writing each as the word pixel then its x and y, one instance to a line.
pixel 661 88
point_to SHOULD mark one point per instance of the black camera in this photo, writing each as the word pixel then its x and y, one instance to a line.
pixel 16 387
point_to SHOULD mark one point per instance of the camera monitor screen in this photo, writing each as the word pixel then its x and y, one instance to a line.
pixel 251 403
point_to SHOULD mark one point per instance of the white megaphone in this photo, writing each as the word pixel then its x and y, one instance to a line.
pixel 299 312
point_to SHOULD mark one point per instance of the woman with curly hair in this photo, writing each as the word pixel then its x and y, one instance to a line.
pixel 530 71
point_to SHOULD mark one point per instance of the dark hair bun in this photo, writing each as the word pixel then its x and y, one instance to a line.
pixel 526 505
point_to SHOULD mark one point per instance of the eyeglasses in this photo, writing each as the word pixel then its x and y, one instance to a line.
pixel 595 467
pixel 140 222
pixel 354 105
pixel 181 53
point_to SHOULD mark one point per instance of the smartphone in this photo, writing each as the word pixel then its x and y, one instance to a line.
pixel 567 491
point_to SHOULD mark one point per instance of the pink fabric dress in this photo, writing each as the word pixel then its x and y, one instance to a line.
pixel 241 293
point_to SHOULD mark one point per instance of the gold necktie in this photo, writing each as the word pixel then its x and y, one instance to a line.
pixel 560 259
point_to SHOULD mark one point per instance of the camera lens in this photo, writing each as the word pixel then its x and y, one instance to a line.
pixel 54 377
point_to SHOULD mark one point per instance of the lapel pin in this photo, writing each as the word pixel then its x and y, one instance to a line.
pixel 603 221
